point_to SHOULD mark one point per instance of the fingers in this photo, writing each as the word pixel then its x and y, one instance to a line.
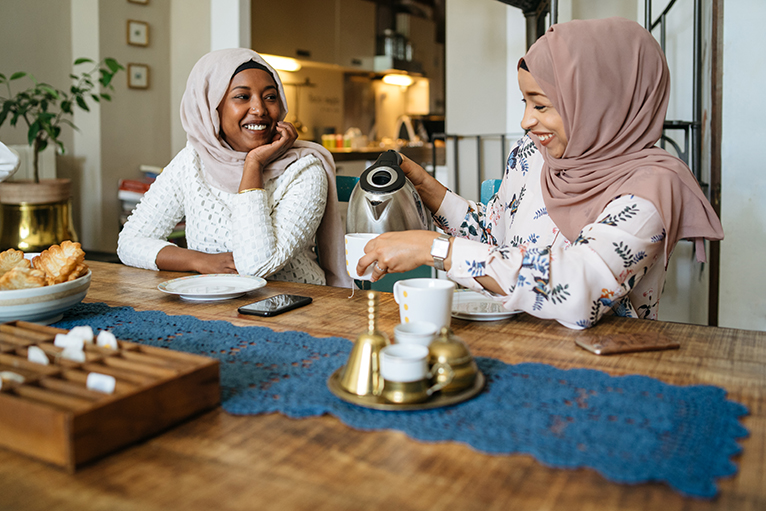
pixel 377 271
pixel 412 170
pixel 285 136
pixel 364 261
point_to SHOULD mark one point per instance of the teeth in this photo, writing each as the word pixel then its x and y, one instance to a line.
pixel 255 127
pixel 543 138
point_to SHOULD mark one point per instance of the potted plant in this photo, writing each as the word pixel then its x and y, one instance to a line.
pixel 36 214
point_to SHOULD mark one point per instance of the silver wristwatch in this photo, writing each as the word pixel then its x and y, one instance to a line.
pixel 440 250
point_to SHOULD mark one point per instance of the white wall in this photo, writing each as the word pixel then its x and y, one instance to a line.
pixel 190 40
pixel 743 211
pixel 477 84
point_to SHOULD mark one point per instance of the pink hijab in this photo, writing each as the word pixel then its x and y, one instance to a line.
pixel 222 166
pixel 609 81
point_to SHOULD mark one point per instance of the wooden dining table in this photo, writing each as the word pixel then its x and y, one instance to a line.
pixel 218 461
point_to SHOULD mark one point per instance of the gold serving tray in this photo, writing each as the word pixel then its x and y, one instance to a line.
pixel 438 400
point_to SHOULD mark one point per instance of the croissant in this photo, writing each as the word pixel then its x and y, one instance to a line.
pixel 11 259
pixel 60 261
pixel 22 277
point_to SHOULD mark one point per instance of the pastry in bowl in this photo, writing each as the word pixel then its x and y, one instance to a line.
pixel 55 265
pixel 42 287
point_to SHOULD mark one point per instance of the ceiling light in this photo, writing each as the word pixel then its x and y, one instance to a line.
pixel 398 79
pixel 282 63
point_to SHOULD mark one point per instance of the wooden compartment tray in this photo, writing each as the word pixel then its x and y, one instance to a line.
pixel 54 417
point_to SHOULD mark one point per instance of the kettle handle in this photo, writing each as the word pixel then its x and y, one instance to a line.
pixel 390 158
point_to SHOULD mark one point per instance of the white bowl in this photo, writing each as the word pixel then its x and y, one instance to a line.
pixel 43 304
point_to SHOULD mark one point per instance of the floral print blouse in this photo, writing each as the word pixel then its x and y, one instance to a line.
pixel 616 264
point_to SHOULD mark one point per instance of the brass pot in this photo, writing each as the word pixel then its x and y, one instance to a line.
pixel 34 216
pixel 450 357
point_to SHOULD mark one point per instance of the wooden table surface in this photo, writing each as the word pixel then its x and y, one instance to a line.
pixel 220 461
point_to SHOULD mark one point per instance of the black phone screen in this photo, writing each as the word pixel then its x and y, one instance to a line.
pixel 275 305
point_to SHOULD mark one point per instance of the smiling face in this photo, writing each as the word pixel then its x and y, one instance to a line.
pixel 250 110
pixel 540 118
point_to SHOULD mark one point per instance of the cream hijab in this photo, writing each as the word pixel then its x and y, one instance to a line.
pixel 222 166
pixel 609 81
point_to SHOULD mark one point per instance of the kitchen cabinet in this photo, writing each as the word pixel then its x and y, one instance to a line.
pixel 338 32
pixel 356 34
pixel 294 28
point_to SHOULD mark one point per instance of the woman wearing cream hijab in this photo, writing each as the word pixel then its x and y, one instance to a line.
pixel 589 210
pixel 253 197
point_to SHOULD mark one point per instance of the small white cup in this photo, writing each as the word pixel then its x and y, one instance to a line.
pixel 415 332
pixel 404 362
pixel 425 300
pixel 355 243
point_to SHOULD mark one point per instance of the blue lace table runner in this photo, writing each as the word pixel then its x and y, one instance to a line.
pixel 631 429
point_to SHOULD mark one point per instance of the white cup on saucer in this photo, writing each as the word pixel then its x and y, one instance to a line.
pixel 415 332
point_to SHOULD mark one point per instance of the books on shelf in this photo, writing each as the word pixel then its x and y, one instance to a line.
pixel 131 191
pixel 150 172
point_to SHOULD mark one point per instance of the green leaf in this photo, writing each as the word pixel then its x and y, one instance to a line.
pixel 43 144
pixel 95 98
pixel 81 103
pixel 34 129
pixel 74 77
pixel 106 97
pixel 4 112
pixel 82 60
pixel 66 107
pixel 113 65
pixel 50 90
pixel 3 79
pixel 17 75
pixel 106 78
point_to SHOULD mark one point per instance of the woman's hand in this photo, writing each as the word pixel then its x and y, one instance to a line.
pixel 431 191
pixel 260 157
pixel 181 259
pixel 216 263
pixel 396 252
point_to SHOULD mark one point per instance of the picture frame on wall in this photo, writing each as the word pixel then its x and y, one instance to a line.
pixel 144 2
pixel 138 76
pixel 138 33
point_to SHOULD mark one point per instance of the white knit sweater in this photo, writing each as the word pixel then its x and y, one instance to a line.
pixel 270 232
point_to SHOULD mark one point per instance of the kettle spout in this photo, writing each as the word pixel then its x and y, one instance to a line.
pixel 378 207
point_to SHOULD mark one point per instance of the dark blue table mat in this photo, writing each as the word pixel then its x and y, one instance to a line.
pixel 631 429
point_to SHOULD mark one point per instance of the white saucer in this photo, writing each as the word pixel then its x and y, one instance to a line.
pixel 473 306
pixel 216 286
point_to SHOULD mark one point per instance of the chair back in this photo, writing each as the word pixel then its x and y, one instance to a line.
pixel 489 188
pixel 345 185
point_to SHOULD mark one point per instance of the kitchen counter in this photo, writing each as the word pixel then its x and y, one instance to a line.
pixel 421 154
pixel 222 461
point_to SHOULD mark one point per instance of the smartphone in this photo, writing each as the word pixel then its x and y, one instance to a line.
pixel 274 305
pixel 626 343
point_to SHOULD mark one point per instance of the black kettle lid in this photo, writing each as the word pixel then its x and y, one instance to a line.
pixel 385 175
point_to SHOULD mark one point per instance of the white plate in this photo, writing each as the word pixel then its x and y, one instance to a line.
pixel 216 286
pixel 474 306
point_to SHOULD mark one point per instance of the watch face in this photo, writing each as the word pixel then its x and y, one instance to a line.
pixel 440 247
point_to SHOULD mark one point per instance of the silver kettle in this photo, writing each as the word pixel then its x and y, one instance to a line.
pixel 385 200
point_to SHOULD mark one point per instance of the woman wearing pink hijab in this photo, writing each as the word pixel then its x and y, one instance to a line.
pixel 589 210
pixel 254 198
